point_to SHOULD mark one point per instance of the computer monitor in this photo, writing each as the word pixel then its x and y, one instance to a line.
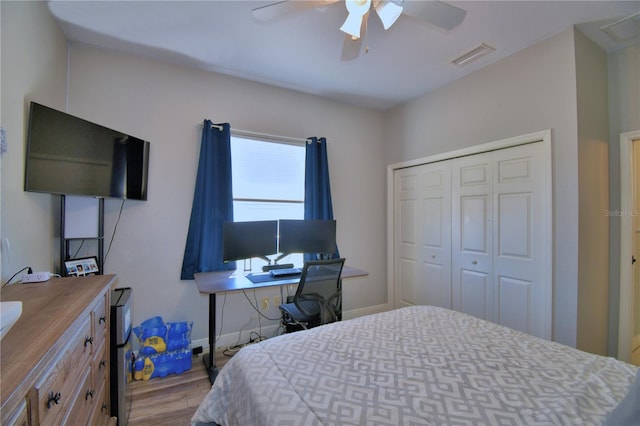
pixel 307 236
pixel 246 240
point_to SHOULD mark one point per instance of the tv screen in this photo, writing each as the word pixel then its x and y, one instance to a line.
pixel 307 236
pixel 246 240
pixel 72 156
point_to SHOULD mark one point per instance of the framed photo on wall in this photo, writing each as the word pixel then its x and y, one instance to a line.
pixel 81 267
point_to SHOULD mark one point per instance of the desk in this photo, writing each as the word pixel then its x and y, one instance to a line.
pixel 222 281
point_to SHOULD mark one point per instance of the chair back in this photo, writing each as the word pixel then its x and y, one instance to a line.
pixel 321 284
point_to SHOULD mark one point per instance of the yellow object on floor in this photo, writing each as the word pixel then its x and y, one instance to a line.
pixel 144 371
pixel 157 343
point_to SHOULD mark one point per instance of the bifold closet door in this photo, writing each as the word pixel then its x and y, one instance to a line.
pixel 423 235
pixel 499 214
pixel 473 234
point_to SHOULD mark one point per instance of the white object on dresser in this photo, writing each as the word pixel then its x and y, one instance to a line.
pixel 9 314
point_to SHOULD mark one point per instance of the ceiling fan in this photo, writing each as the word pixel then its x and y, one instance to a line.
pixel 438 13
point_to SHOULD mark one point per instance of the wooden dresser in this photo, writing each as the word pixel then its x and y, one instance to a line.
pixel 54 362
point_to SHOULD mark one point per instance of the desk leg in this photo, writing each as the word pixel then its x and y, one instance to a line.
pixel 210 359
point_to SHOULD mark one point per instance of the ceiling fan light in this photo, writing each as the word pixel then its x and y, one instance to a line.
pixel 357 7
pixel 388 12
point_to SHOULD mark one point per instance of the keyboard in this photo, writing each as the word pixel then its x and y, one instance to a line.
pixel 285 272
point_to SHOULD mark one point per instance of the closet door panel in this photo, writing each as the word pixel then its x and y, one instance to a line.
pixel 436 290
pixel 522 291
pixel 407 232
pixel 433 213
pixel 472 289
pixel 514 297
pixel 515 224
pixel 407 276
pixel 408 242
pixel 474 221
pixel 423 235
pixel 475 291
pixel 436 236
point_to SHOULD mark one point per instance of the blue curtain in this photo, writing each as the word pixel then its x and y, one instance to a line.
pixel 212 203
pixel 317 188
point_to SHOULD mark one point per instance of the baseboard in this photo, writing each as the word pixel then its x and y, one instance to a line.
pixel 369 310
pixel 231 339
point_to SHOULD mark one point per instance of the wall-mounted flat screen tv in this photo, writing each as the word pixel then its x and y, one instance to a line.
pixel 71 156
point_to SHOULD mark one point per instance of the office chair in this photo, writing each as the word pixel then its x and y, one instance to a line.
pixel 318 299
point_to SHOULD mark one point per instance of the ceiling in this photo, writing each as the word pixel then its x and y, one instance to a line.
pixel 302 51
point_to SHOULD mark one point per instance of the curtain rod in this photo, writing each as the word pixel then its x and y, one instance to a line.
pixel 249 133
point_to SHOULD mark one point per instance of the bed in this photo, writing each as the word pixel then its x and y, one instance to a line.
pixel 419 365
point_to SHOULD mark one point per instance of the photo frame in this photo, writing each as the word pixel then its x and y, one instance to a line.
pixel 81 267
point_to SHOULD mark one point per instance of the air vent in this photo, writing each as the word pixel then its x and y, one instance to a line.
pixel 472 55
pixel 624 29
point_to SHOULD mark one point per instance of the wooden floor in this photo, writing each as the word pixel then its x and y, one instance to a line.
pixel 173 399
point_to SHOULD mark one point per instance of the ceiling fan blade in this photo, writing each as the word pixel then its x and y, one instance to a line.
pixel 350 47
pixel 437 13
pixel 274 11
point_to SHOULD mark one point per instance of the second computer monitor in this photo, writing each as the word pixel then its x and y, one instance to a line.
pixel 307 236
pixel 245 240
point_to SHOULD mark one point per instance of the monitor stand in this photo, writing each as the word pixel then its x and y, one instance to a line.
pixel 246 263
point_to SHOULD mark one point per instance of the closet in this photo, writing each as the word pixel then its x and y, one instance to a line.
pixel 472 233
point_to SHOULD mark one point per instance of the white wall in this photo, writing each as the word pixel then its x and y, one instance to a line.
pixel 33 66
pixel 593 173
pixel 529 91
pixel 165 104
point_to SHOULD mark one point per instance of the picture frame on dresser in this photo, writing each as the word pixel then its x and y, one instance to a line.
pixel 81 267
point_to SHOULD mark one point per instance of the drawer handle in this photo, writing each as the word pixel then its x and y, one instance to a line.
pixel 102 319
pixel 53 399
pixel 89 393
pixel 475 262
pixel 88 340
pixel 103 363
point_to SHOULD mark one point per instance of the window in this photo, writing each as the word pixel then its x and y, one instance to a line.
pixel 268 181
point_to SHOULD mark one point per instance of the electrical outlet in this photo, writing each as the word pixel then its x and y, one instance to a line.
pixel 265 304
pixel 277 301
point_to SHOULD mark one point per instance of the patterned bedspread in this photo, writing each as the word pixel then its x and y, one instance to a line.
pixel 420 365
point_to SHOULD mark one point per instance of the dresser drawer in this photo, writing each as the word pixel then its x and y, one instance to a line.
pixel 57 387
pixel 78 412
pixel 100 318
pixel 101 411
pixel 100 363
